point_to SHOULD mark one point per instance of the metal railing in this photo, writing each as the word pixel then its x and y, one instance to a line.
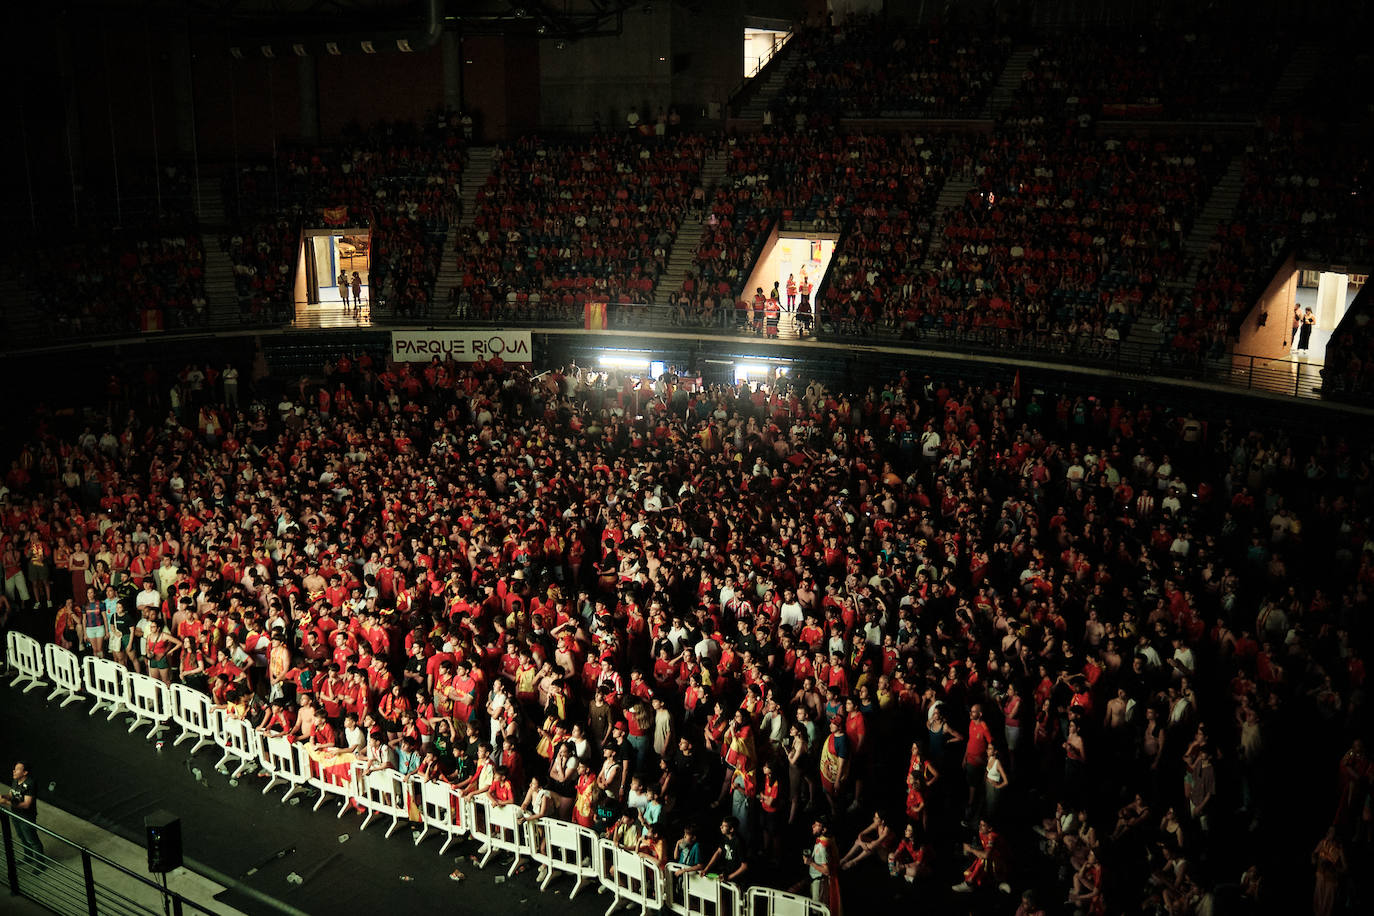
pixel 1290 377
pixel 764 60
pixel 68 878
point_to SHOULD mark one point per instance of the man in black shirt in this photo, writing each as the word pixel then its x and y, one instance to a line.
pixel 729 860
pixel 24 803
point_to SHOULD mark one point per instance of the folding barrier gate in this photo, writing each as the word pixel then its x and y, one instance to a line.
pixel 25 655
pixel 440 812
pixel 196 715
pixel 65 670
pixel 766 901
pixel 343 790
pixel 696 894
pixel 498 827
pixel 149 699
pixel 562 847
pixel 287 762
pixel 239 740
pixel 104 680
pixel 630 877
pixel 381 792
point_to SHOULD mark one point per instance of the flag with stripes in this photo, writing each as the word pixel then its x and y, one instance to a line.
pixel 594 316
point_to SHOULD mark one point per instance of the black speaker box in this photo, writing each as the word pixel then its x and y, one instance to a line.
pixel 164 842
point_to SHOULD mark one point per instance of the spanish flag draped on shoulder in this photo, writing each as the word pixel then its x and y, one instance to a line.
pixel 594 316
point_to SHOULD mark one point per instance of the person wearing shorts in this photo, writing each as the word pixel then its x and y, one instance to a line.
pixel 158 649
pixel 93 619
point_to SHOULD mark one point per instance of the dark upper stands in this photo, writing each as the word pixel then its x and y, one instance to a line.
pixel 871 67
pixel 562 222
pixel 1166 74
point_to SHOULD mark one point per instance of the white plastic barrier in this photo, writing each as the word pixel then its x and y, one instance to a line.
pixel 767 901
pixel 562 848
pixel 630 877
pixel 150 700
pixel 65 670
pixel 381 792
pixel 239 740
pixel 696 894
pixel 196 715
pixel 440 811
pixel 287 762
pixel 497 827
pixel 104 680
pixel 25 656
pixel 342 790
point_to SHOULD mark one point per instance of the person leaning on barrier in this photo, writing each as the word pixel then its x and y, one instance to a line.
pixel 651 845
pixel 730 855
pixel 687 852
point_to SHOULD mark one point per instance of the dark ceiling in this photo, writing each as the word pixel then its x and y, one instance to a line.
pixel 549 18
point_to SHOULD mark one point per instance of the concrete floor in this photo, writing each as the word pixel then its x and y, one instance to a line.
pixel 63 877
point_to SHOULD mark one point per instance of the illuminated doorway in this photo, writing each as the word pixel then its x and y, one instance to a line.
pixel 333 275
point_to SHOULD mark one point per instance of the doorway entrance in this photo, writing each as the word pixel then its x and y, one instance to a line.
pixel 332 279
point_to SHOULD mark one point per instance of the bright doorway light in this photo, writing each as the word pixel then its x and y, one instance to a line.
pixel 624 359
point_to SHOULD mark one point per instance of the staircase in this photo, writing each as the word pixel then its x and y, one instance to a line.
pixel 221 295
pixel 1005 90
pixel 1145 338
pixel 762 94
pixel 689 234
pixel 210 203
pixel 1302 67
pixel 475 175
pixel 476 171
pixel 448 277
pixel 1220 207
pixel 951 197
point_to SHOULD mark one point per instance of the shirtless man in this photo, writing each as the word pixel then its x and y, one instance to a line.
pixel 1117 721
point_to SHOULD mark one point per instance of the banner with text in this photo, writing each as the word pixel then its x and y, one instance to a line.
pixel 461 346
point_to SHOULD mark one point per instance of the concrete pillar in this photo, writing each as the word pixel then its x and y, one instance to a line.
pixel 1331 293
pixel 451 47
pixel 66 68
pixel 308 76
pixel 183 90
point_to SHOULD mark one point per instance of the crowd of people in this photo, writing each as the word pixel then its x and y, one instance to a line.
pixel 1066 236
pixel 263 255
pixel 870 67
pixel 400 180
pixel 1303 185
pixel 562 223
pixel 982 642
pixel 1173 73
pixel 119 282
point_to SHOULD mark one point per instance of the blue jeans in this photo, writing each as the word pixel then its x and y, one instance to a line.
pixel 641 745
pixel 28 838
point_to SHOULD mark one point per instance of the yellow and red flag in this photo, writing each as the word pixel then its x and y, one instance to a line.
pixel 594 316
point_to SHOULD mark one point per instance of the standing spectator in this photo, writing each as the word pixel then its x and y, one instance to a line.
pixel 23 802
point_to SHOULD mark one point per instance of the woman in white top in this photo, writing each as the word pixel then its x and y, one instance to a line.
pixel 995 782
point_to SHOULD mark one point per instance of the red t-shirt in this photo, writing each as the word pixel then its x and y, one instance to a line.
pixel 979 737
